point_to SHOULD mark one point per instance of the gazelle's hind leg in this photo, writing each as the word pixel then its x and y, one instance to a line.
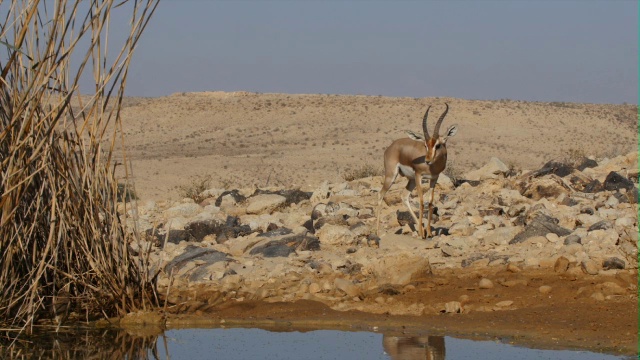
pixel 432 187
pixel 389 178
pixel 410 186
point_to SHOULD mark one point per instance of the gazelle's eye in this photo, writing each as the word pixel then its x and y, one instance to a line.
pixel 438 146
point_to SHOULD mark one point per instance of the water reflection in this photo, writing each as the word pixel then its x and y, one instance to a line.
pixel 238 343
pixel 416 347
pixel 80 344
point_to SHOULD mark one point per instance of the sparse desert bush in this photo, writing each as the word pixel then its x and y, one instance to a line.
pixel 197 185
pixel 362 171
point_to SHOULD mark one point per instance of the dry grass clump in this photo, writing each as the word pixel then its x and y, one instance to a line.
pixel 64 248
pixel 362 171
pixel 197 185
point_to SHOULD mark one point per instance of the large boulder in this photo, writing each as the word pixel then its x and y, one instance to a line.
pixel 400 269
pixel 265 203
pixel 492 170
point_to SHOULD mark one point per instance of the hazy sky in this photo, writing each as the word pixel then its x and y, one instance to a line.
pixel 584 51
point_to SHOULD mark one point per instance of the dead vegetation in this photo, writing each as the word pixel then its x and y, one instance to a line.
pixel 65 252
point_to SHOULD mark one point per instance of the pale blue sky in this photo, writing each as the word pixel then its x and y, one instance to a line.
pixel 584 51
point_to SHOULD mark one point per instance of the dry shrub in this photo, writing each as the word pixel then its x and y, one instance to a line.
pixel 65 250
pixel 362 171
pixel 197 185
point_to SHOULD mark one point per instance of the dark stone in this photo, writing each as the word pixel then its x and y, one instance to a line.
pixel 572 239
pixel 277 232
pixel 291 196
pixel 309 226
pixel 175 236
pixel 587 210
pixel 459 182
pixel 540 226
pixel 494 211
pixel 622 198
pixel 587 163
pixel 350 268
pixel 613 263
pixel 437 231
pixel 373 240
pixel 334 220
pixel 601 225
pixel 275 248
pixel 191 253
pixel 351 250
pixel 633 195
pixel 287 245
pixel 272 227
pixel 568 201
pixel 593 187
pixel 554 167
pixel 199 229
pixel 404 218
pixel 615 181
pixel 233 193
pixel 473 258
pixel 390 290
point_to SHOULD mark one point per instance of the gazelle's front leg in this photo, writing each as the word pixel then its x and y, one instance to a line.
pixel 432 186
pixel 421 200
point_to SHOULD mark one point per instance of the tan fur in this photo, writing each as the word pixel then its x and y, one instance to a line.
pixel 426 160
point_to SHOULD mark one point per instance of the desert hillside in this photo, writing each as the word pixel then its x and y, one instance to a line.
pixel 295 140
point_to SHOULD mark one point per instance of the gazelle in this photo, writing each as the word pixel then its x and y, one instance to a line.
pixel 416 157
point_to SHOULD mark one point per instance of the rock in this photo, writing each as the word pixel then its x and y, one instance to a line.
pixel 230 197
pixel 589 267
pixel 314 288
pixel 561 265
pixel 601 225
pixel 540 226
pixel 276 232
pixel 184 210
pixel 395 242
pixel 192 253
pixel 587 163
pixel 265 203
pixel 453 307
pixel 199 229
pixel 492 170
pixel 613 263
pixel 321 193
pixel 347 287
pixel 335 235
pixel 598 296
pixel 286 246
pixel 455 246
pixel 554 167
pixel 544 289
pixel 504 304
pixel 552 237
pixel 485 283
pixel 513 268
pixel 501 236
pixel 399 269
pixel 572 239
pixel 625 222
pixel 611 288
pixel 615 181
pixel 544 188
pixel 294 196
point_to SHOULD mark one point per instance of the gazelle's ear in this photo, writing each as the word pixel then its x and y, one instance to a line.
pixel 414 136
pixel 451 131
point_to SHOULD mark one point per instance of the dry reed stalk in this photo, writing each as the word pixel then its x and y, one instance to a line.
pixel 63 245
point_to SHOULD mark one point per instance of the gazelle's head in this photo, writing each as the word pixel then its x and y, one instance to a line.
pixel 437 145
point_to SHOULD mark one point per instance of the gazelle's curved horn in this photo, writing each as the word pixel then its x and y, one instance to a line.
pixel 424 125
pixel 435 131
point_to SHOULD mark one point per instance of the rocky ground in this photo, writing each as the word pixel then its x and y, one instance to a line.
pixel 548 255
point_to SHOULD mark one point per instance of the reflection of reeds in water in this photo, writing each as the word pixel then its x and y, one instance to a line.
pixel 63 246
pixel 79 344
